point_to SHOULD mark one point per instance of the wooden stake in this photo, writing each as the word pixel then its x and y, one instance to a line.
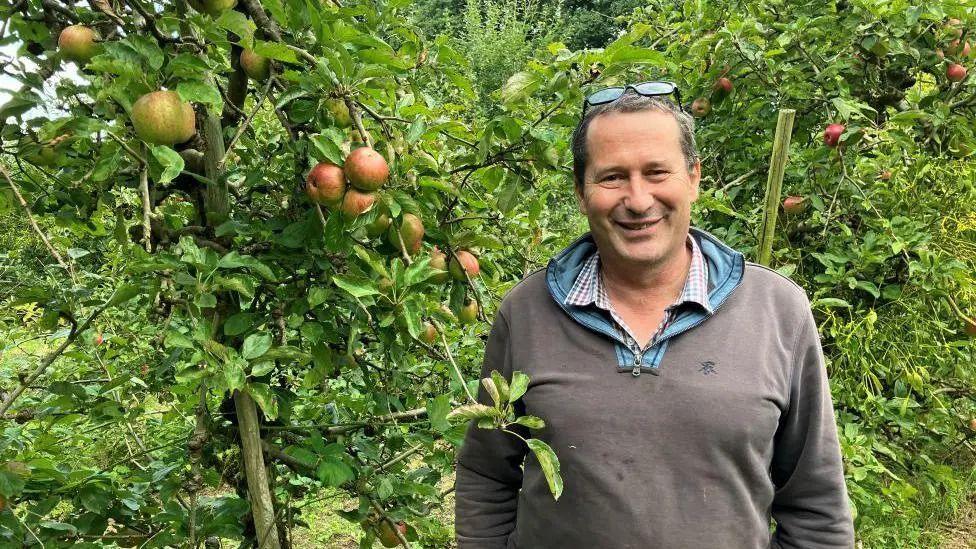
pixel 774 183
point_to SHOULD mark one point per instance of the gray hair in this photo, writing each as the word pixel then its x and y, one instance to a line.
pixel 633 102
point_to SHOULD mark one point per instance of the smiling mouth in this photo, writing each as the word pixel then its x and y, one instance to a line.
pixel 639 225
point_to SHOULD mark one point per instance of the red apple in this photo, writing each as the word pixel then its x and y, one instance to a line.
pixel 356 203
pixel 955 72
pixel 722 85
pixel 366 169
pixel 831 135
pixel 438 262
pixel 970 328
pixel 429 335
pixel 465 262
pixel 325 183
pixel 99 339
pixel 794 204
pixel 885 175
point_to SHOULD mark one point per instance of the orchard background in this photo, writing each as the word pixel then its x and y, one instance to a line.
pixel 175 307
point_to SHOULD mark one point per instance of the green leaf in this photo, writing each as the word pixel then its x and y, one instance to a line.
pixel 238 323
pixel 170 160
pixel 255 345
pixel 531 422
pixel 356 287
pixel 262 394
pixel 237 23
pixel 197 91
pixel 519 86
pixel 94 498
pixel 328 149
pixel 550 465
pixel 473 411
pixel 831 302
pixel 334 472
pixel 124 293
pixel 11 483
pixel 275 50
pixel 502 385
pixel 417 129
pixel 234 375
pixel 520 382
pixel 491 389
pixel 437 410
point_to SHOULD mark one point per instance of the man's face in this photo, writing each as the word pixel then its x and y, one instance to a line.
pixel 637 190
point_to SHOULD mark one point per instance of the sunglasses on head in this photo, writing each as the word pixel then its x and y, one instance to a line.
pixel 647 89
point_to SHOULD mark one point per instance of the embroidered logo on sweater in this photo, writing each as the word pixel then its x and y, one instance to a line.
pixel 708 368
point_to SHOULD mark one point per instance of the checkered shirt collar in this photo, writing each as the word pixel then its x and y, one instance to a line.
pixel 589 289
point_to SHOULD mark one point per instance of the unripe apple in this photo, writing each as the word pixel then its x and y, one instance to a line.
pixel 469 313
pixel 257 67
pixel 379 225
pixel 356 203
pixel 212 7
pixel 701 107
pixel 794 204
pixel 831 135
pixel 955 72
pixel 339 111
pixel 325 184
pixel 723 85
pixel 464 262
pixel 77 43
pixel 366 169
pixel 438 261
pixel 163 118
pixel 411 231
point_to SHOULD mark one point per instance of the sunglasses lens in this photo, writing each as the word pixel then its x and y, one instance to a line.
pixel 655 88
pixel 604 96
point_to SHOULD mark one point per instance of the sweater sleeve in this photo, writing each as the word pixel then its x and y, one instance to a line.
pixel 489 473
pixel 810 503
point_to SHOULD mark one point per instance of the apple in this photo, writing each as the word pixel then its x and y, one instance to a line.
pixel 831 135
pixel 366 169
pixel 411 231
pixel 385 284
pixel 972 424
pixel 469 313
pixel 356 203
pixel 701 107
pixel 465 262
pixel 77 43
pixel 723 85
pixel 438 262
pixel 257 67
pixel 325 183
pixel 379 225
pixel 429 335
pixel 970 328
pixel 212 7
pixel 954 27
pixel 99 339
pixel 163 118
pixel 955 72
pixel 794 204
pixel 387 535
pixel 885 175
pixel 339 111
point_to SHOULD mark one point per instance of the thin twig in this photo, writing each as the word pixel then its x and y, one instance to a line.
pixel 33 223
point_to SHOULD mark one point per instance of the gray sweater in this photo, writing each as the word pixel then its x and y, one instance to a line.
pixel 731 425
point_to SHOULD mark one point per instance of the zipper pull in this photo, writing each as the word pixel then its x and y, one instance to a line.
pixel 637 364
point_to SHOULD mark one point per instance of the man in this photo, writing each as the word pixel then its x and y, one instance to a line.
pixel 683 388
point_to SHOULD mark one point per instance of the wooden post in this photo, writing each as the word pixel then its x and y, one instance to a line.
pixel 774 183
pixel 262 508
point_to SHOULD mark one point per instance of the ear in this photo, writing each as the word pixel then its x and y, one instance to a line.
pixel 694 179
pixel 580 200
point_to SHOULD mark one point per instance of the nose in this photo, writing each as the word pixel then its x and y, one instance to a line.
pixel 638 196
